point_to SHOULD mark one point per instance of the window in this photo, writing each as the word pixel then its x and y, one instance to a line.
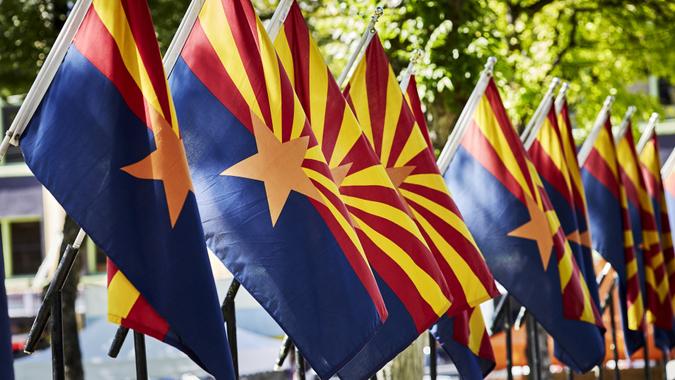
pixel 22 246
pixel 6 117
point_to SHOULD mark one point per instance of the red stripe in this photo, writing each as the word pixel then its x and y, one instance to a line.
pixel 460 329
pixel 242 21
pixel 549 171
pixel 377 77
pixel 416 107
pixel 599 169
pixel 404 130
pixel 476 144
pixel 203 61
pixel 144 34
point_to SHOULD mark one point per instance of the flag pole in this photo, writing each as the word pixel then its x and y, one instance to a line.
pixel 229 315
pixel 597 127
pixel 462 123
pixel 117 342
pixel 509 338
pixel 367 36
pixel 52 294
pixel 139 354
pixel 433 357
pixel 409 71
pixel 562 96
pixel 58 361
pixel 623 127
pixel 301 370
pixel 286 346
pixel 609 304
pixel 183 32
pixel 537 120
pixel 45 75
pixel 278 18
pixel 648 132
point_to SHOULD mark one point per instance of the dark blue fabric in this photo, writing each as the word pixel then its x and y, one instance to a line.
pixel 516 262
pixel 296 270
pixel 604 213
pixel 469 365
pixel 76 144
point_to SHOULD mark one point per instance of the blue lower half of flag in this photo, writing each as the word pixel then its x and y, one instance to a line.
pixel 78 140
pixel 491 213
pixel 397 333
pixel 295 269
pixel 469 365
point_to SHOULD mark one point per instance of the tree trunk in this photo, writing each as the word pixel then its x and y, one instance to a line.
pixel 409 364
pixel 71 341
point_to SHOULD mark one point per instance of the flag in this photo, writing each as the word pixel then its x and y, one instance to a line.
pixel 611 227
pixel 105 142
pixel 668 178
pixel 556 161
pixel 650 165
pixel 6 356
pixel 464 337
pixel 376 97
pixel 270 207
pixel 506 208
pixel 393 244
pixel 652 271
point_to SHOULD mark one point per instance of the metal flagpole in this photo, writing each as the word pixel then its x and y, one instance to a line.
pixel 230 318
pixel 648 132
pixel 51 296
pixel 139 353
pixel 300 368
pixel 597 127
pixel 286 346
pixel 433 357
pixel 609 304
pixel 624 123
pixel 462 123
pixel 278 18
pixel 509 338
pixel 367 36
pixel 58 364
pixel 534 346
pixel 537 120
pixel 184 29
pixel 117 342
pixel 562 94
pixel 410 70
pixel 648 370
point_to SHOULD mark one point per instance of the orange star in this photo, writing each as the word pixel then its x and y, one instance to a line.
pixel 398 175
pixel 167 164
pixel 536 229
pixel 278 165
pixel 340 173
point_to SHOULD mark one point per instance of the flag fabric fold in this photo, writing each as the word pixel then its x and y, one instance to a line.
pixel 270 206
pixel 652 271
pixel 519 232
pixel 650 164
pixel 611 226
pixel 392 241
pixel 105 142
pixel 555 159
pixel 464 337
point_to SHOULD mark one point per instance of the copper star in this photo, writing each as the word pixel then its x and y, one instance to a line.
pixel 340 173
pixel 278 165
pixel 167 164
pixel 581 239
pixel 398 175
pixel 536 229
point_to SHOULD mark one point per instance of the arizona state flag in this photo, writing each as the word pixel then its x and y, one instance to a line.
pixel 464 336
pixel 650 164
pixel 645 234
pixel 557 165
pixel 376 97
pixel 507 210
pixel 270 207
pixel 611 225
pixel 105 141
pixel 668 177
pixel 413 286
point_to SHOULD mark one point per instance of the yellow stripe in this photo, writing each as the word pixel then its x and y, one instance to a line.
pixel 113 17
pixel 552 145
pixel 284 51
pixel 318 93
pixel 394 101
pixel 359 96
pixel 604 145
pixel 371 176
pixel 650 160
pixel 473 288
pixel 121 297
pixel 631 268
pixel 349 133
pixel 385 211
pixel 216 27
pixel 476 330
pixel 299 120
pixel 488 124
pixel 272 72
pixel 323 180
pixel 413 146
pixel 427 288
pixel 441 212
pixel 431 181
